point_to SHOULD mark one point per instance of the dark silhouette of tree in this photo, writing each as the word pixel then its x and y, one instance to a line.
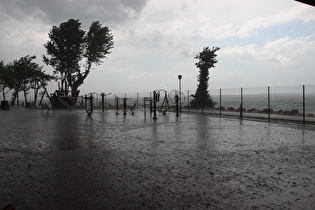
pixel 72 51
pixel 21 71
pixel 39 80
pixel 5 79
pixel 206 60
pixel 26 74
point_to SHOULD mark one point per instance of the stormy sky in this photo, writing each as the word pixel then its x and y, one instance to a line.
pixel 262 43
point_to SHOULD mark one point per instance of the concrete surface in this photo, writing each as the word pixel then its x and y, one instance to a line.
pixel 66 160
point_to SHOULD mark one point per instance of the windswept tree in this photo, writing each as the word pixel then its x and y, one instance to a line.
pixel 5 79
pixel 21 73
pixel 206 60
pixel 39 80
pixel 26 74
pixel 72 51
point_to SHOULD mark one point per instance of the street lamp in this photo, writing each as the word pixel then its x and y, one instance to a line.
pixel 180 93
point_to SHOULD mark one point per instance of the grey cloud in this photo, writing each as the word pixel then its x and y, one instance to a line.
pixel 56 11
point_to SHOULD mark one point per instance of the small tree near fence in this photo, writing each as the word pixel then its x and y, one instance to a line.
pixel 72 51
pixel 206 60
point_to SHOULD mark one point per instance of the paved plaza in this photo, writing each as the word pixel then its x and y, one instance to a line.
pixel 67 160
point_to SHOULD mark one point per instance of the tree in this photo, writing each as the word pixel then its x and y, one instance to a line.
pixel 5 79
pixel 206 60
pixel 20 74
pixel 72 51
pixel 27 74
pixel 39 79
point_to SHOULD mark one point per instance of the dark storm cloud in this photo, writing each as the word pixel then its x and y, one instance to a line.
pixel 55 11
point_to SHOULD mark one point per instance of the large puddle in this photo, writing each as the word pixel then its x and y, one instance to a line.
pixel 67 159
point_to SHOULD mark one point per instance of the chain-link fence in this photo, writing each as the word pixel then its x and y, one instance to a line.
pixel 292 103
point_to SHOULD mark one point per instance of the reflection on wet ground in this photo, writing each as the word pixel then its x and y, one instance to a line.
pixel 69 160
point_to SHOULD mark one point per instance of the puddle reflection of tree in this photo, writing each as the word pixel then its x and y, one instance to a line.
pixel 203 132
pixel 67 131
pixel 71 160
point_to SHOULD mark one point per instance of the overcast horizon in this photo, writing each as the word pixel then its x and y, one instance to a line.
pixel 262 43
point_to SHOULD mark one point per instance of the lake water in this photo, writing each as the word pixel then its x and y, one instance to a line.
pixel 277 102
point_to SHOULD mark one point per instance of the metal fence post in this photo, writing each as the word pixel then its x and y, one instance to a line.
pixel 241 107
pixel 303 98
pixel 269 104
pixel 220 102
pixel 137 100
pixel 154 105
pixel 188 100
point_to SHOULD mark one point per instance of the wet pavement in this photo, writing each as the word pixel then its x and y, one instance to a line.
pixel 67 160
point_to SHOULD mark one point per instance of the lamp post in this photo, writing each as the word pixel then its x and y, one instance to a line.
pixel 180 93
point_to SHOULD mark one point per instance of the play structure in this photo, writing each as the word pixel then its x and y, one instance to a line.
pixel 89 104
pixel 159 102
pixel 147 100
pixel 60 99
pixel 175 96
pixel 125 106
pixel 165 106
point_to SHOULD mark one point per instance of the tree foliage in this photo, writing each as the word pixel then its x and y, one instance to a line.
pixel 22 75
pixel 5 79
pixel 206 60
pixel 72 51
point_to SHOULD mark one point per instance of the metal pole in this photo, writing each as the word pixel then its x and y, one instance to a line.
pixel 114 98
pixel 91 98
pixel 188 100
pixel 103 101
pixel 220 102
pixel 137 100
pixel 176 99
pixel 303 104
pixel 151 101
pixel 117 103
pixel 241 107
pixel 269 108
pixel 125 105
pixel 154 105
pixel 180 93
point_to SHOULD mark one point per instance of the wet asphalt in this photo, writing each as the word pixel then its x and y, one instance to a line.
pixel 67 160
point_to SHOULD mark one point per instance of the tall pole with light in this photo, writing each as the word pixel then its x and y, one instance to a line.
pixel 180 93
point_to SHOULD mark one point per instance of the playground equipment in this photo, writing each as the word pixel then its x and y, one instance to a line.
pixel 156 98
pixel 60 99
pixel 181 96
pixel 145 101
pixel 165 104
pixel 103 95
pixel 45 93
pixel 124 99
pixel 177 97
pixel 89 104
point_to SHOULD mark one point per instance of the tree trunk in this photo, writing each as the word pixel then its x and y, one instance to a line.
pixel 36 95
pixel 25 97
pixel 3 93
pixel 15 97
pixel 76 84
